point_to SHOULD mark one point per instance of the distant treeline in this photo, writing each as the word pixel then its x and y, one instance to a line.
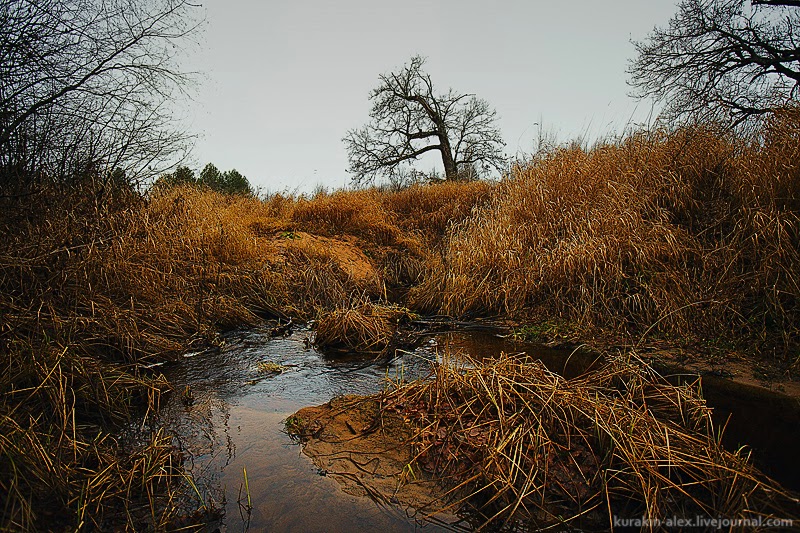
pixel 228 182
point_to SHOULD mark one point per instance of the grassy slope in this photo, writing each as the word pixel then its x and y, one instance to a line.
pixel 686 235
pixel 94 289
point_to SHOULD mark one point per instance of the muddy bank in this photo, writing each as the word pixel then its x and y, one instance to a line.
pixel 369 451
pixel 758 410
pixel 243 393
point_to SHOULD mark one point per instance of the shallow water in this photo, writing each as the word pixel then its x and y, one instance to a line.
pixel 768 423
pixel 236 421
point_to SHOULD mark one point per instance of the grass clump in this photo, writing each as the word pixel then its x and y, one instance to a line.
pixel 360 327
pixel 59 460
pixel 431 210
pixel 520 445
pixel 543 332
pixel 270 367
pixel 357 213
pixel 401 231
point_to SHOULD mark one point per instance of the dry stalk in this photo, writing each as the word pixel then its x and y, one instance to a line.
pixel 521 445
pixel 363 326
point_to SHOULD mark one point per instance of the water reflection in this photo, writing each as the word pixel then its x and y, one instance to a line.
pixel 235 421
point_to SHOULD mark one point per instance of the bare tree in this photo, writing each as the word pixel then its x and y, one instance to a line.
pixel 409 119
pixel 722 60
pixel 85 85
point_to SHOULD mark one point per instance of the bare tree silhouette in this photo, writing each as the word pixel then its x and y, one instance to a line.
pixel 409 119
pixel 85 86
pixel 722 60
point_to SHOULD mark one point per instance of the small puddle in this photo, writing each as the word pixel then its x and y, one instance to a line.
pixel 239 404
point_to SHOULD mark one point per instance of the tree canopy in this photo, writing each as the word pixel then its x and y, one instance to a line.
pixel 410 118
pixel 723 60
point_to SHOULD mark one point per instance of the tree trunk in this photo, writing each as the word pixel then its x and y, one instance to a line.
pixel 450 170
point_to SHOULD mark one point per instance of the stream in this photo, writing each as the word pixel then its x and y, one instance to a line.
pixel 240 399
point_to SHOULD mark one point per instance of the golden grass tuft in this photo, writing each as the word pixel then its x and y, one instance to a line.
pixel 358 213
pixel 521 445
pixel 59 463
pixel 401 230
pixel 362 326
pixel 431 210
pixel 417 216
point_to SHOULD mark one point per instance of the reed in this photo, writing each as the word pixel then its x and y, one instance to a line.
pixel 690 233
pixel 362 326
pixel 402 231
pixel 523 447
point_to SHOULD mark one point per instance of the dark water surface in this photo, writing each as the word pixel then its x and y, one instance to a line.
pixel 768 423
pixel 236 421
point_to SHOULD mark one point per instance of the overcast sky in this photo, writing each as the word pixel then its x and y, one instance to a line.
pixel 280 83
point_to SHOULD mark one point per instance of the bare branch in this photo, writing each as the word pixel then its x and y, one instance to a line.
pixel 84 85
pixel 787 3
pixel 409 119
pixel 720 60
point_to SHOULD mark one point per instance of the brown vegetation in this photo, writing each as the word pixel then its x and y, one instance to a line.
pixel 92 294
pixel 96 288
pixel 360 327
pixel 401 231
pixel 521 444
pixel 690 234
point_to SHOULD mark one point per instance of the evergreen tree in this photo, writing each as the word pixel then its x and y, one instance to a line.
pixel 235 183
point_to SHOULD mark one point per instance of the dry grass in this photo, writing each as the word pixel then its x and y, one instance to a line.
pixel 402 231
pixel 691 234
pixel 360 327
pixel 521 445
pixel 421 213
pixel 97 288
pixel 431 210
pixel 93 291
pixel 357 213
pixel 59 463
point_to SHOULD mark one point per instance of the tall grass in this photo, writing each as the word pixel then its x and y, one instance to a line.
pixel 528 449
pixel 94 290
pixel 97 288
pixel 401 230
pixel 688 233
